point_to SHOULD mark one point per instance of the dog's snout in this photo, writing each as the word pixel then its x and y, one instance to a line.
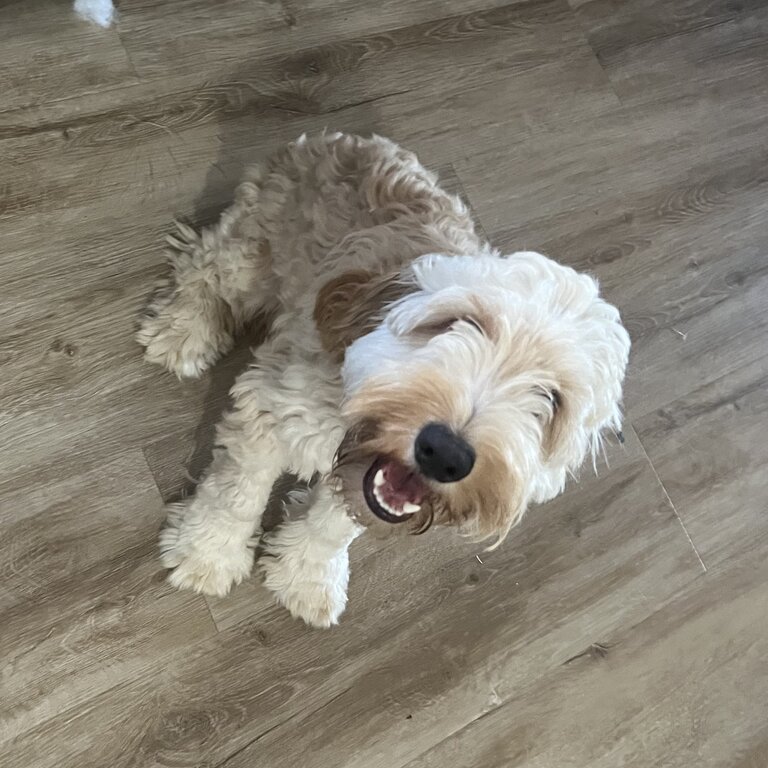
pixel 443 455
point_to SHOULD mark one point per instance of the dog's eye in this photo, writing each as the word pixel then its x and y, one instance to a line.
pixel 474 323
pixel 471 321
pixel 555 399
pixel 444 326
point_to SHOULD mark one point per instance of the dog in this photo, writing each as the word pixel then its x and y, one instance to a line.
pixel 413 375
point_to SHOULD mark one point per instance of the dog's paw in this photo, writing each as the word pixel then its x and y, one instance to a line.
pixel 318 603
pixel 181 340
pixel 312 590
pixel 210 570
pixel 211 574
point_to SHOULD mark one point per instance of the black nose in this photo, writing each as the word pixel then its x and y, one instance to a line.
pixel 443 455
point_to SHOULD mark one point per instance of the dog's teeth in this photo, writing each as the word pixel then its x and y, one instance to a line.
pixel 410 509
pixel 378 498
pixel 384 504
pixel 378 480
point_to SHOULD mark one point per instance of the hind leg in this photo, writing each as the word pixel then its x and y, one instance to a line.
pixel 220 279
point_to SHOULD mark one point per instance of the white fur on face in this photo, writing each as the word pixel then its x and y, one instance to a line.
pixel 528 361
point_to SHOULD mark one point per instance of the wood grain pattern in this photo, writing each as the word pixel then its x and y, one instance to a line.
pixel 623 624
pixel 602 709
pixel 720 494
pixel 220 37
pixel 74 59
pixel 83 603
pixel 484 615
pixel 687 50
pixel 612 28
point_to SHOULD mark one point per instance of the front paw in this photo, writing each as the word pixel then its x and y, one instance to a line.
pixel 181 337
pixel 210 568
pixel 312 590
pixel 212 573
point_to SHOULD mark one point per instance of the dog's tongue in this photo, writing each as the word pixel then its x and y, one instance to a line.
pixel 401 485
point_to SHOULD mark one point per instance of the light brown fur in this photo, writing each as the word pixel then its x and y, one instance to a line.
pixel 352 305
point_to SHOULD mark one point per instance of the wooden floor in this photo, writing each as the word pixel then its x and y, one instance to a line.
pixel 625 624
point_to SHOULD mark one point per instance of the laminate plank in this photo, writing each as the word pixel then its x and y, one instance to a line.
pixel 218 37
pixel 76 57
pixel 708 448
pixel 704 59
pixel 612 28
pixel 495 44
pixel 82 184
pixel 712 342
pixel 603 709
pixel 74 377
pixel 576 175
pixel 83 604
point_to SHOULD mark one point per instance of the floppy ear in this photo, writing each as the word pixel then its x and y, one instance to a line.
pixel 587 399
pixel 353 304
pixel 565 441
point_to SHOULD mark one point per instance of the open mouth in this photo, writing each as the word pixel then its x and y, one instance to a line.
pixel 393 491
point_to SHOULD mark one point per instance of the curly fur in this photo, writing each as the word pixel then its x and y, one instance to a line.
pixel 390 312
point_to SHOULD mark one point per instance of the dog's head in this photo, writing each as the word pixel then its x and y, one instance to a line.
pixel 473 385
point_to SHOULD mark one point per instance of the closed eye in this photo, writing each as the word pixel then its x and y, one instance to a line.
pixel 444 326
pixel 474 323
pixel 555 401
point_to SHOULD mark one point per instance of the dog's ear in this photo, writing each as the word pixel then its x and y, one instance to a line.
pixel 574 426
pixel 353 304
pixel 560 429
pixel 586 398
